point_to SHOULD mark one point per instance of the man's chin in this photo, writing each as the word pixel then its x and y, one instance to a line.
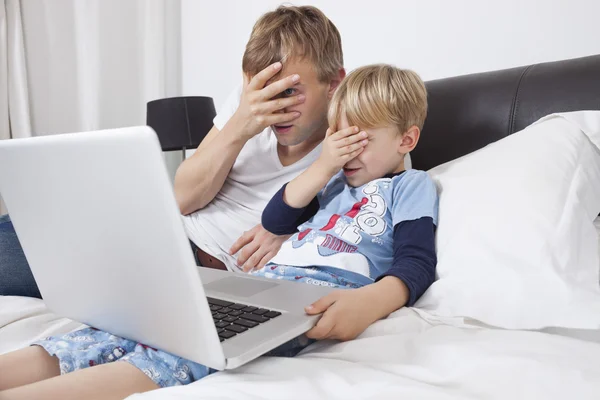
pixel 289 139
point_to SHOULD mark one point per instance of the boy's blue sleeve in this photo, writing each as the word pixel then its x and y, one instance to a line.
pixel 281 219
pixel 414 256
pixel 414 215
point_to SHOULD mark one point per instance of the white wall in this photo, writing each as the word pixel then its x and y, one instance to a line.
pixel 436 38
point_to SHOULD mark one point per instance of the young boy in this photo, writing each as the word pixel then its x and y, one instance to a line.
pixel 365 224
pixel 364 221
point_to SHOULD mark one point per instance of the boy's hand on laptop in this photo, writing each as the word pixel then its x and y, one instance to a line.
pixel 347 313
pixel 340 147
pixel 261 102
pixel 257 246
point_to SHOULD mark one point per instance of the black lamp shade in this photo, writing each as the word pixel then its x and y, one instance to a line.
pixel 181 122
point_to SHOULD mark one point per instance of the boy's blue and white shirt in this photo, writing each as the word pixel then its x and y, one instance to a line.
pixel 385 227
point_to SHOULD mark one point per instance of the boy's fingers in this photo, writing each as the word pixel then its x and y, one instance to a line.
pixel 352 148
pixel 329 132
pixel 342 133
pixel 260 80
pixel 322 329
pixel 273 89
pixel 322 304
pixel 360 138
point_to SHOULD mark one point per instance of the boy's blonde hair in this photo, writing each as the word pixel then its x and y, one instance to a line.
pixel 378 95
pixel 292 32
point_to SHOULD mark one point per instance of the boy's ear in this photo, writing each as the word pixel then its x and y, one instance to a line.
pixel 409 141
pixel 335 82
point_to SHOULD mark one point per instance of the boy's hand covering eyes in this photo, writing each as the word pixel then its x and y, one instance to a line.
pixel 260 103
pixel 340 147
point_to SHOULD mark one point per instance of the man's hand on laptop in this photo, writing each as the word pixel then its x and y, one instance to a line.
pixel 256 247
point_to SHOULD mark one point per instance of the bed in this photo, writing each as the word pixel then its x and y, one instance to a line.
pixel 414 353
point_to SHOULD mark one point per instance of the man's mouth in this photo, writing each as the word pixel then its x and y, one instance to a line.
pixel 350 171
pixel 282 128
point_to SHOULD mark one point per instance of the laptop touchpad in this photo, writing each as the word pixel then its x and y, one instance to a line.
pixel 239 287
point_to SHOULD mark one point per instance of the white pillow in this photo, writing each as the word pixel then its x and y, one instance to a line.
pixel 516 243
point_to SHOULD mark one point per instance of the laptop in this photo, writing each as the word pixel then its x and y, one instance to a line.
pixel 99 224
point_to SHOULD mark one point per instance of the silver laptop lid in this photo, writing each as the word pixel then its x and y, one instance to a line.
pixel 101 229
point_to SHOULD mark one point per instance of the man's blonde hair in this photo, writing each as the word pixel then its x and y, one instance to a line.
pixel 379 95
pixel 291 32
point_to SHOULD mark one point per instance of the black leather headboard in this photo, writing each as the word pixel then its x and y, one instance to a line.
pixel 468 112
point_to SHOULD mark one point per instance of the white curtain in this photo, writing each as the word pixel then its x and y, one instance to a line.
pixel 14 102
pixel 79 65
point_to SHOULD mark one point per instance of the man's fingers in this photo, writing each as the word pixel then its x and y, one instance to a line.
pixel 252 261
pixel 273 89
pixel 282 118
pixel 241 242
pixel 265 260
pixel 260 80
pixel 281 103
pixel 247 252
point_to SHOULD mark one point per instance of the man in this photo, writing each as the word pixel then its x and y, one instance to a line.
pixel 267 133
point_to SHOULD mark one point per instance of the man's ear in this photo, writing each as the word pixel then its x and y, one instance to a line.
pixel 335 82
pixel 409 141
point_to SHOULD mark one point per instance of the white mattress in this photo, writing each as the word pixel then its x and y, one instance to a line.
pixel 403 356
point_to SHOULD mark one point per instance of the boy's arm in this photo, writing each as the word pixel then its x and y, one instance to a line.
pixel 338 148
pixel 414 256
pixel 281 219
pixel 414 212
pixel 412 272
pixel 199 178
pixel 296 202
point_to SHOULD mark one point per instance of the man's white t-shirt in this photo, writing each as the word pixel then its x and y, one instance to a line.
pixel 255 177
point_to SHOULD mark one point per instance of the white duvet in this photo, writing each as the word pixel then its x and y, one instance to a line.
pixel 403 357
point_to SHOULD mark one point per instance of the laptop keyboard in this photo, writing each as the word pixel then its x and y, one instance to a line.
pixel 234 318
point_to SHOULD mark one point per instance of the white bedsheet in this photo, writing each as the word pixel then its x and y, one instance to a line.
pixel 23 320
pixel 405 357
pixel 408 356
pixel 401 357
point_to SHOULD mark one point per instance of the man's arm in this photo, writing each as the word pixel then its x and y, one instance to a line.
pixel 199 179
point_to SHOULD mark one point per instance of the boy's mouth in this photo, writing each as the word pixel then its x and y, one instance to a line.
pixel 350 171
pixel 282 128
